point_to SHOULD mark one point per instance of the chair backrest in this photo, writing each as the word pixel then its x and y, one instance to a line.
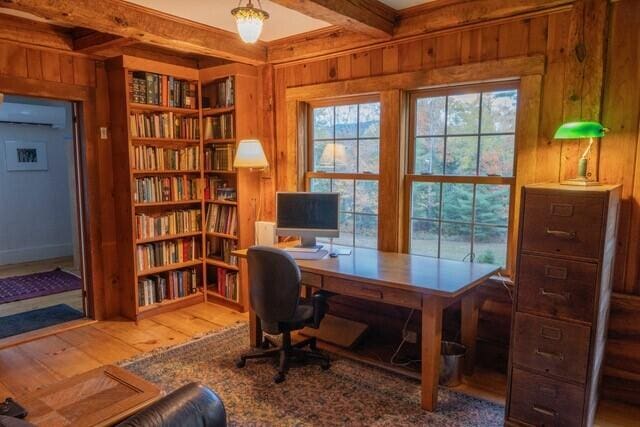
pixel 274 284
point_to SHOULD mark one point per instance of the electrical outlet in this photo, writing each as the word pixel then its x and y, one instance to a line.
pixel 410 337
pixel 103 133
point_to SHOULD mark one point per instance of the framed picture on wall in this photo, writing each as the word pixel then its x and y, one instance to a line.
pixel 26 156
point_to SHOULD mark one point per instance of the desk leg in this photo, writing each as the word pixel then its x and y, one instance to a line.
pixel 431 343
pixel 255 329
pixel 469 326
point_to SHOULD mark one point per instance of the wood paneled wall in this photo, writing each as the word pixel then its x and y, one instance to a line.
pixel 52 74
pixel 577 43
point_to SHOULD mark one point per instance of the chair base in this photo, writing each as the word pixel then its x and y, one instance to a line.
pixel 287 352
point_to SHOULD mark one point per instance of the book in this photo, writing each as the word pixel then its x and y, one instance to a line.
pixel 219 126
pixel 160 254
pixel 176 284
pixel 220 249
pixel 152 158
pixel 219 157
pixel 222 219
pixel 226 284
pixel 164 125
pixel 156 89
pixel 154 189
pixel 169 223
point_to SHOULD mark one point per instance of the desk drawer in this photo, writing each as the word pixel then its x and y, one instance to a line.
pixel 563 224
pixel 543 401
pixel 311 279
pixel 551 346
pixel 557 287
pixel 373 292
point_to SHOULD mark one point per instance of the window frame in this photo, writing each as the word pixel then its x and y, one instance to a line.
pixel 411 177
pixel 310 174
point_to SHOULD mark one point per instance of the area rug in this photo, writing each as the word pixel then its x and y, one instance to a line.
pixel 19 288
pixel 37 319
pixel 349 393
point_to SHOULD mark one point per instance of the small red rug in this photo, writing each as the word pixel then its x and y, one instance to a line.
pixel 37 285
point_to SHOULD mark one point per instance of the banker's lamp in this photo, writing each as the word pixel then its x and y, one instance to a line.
pixel 580 130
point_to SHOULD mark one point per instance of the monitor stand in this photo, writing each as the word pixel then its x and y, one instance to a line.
pixel 307 244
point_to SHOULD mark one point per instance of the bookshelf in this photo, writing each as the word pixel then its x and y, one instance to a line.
pixel 229 193
pixel 175 165
pixel 157 147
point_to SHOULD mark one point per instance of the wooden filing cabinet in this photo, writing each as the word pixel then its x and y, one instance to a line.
pixel 566 251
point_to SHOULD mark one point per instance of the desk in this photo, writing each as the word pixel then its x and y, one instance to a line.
pixel 426 284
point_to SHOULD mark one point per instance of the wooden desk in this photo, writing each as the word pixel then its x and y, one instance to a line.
pixel 100 397
pixel 421 283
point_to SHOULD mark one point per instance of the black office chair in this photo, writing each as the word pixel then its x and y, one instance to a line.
pixel 274 283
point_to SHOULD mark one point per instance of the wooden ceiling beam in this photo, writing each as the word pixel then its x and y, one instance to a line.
pixel 422 21
pixel 370 17
pixel 28 32
pixel 96 42
pixel 145 25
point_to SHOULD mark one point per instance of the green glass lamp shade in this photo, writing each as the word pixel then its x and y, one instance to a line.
pixel 577 130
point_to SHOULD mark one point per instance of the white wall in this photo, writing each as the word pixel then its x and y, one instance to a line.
pixel 36 218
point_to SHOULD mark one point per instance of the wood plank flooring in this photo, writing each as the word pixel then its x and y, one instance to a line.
pixel 29 366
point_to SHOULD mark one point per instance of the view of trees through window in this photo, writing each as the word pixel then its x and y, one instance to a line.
pixel 462 174
pixel 345 158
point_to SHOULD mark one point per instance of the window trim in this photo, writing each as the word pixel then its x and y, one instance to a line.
pixel 310 174
pixel 410 176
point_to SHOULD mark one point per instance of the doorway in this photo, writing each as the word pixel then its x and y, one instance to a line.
pixel 41 229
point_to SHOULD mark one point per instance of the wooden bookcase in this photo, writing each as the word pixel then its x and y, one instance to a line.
pixel 245 182
pixel 125 175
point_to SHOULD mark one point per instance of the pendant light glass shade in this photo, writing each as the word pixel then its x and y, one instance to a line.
pixel 249 20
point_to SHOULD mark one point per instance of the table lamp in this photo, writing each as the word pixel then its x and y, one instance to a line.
pixel 250 155
pixel 579 130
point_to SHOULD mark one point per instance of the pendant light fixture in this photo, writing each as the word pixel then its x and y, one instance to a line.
pixel 249 20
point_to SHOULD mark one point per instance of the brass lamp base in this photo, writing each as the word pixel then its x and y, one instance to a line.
pixel 580 182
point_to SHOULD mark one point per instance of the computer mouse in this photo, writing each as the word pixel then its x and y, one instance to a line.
pixel 333 255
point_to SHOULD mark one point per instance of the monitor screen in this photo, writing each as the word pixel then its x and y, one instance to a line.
pixel 307 211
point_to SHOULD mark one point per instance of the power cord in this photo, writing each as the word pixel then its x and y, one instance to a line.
pixel 503 280
pixel 404 340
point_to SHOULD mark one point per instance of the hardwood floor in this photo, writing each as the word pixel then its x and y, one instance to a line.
pixel 26 367
pixel 70 298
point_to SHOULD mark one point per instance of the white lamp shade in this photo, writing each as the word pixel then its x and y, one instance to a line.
pixel 249 28
pixel 333 153
pixel 250 155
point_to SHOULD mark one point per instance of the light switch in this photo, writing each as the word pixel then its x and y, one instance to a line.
pixel 103 133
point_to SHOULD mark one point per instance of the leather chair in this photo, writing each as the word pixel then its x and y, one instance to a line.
pixel 274 295
pixel 192 405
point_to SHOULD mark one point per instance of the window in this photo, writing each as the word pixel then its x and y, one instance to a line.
pixel 344 157
pixel 461 172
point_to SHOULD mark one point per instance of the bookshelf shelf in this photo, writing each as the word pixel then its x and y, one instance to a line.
pixel 168 302
pixel 221 264
pixel 161 108
pixel 169 267
pixel 213 295
pixel 222 202
pixel 167 237
pixel 221 235
pixel 220 172
pixel 142 140
pixel 173 203
pixel 206 112
pixel 165 172
pixel 220 141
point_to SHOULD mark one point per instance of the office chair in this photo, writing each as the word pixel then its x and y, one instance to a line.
pixel 274 295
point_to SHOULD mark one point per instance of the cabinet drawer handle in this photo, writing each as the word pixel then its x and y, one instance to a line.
pixel 544 411
pixel 549 355
pixel 565 235
pixel 564 296
pixel 552 272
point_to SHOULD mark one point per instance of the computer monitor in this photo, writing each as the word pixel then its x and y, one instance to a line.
pixel 308 215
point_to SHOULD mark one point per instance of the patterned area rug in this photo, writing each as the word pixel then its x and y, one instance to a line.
pixel 349 393
pixel 18 288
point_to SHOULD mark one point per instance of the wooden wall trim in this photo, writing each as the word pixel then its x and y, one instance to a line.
pixel 45 89
pixel 510 68
pixel 219 71
pixel 135 63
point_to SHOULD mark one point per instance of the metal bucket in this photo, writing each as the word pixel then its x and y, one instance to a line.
pixel 451 357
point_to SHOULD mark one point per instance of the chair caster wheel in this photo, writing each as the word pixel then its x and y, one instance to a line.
pixel 241 363
pixel 279 378
pixel 325 366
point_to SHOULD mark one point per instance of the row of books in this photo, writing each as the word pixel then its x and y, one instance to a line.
pixel 167 223
pixel 164 125
pixel 176 284
pixel 220 249
pixel 157 89
pixel 226 284
pixel 219 94
pixel 169 252
pixel 219 157
pixel 218 127
pixel 153 189
pixel 218 188
pixel 150 158
pixel 222 219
